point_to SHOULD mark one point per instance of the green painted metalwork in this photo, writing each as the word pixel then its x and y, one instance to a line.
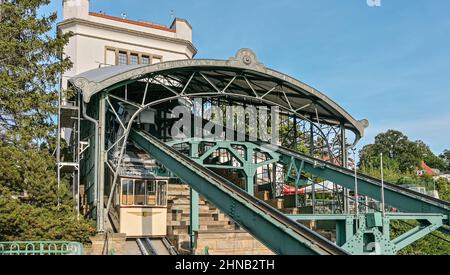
pixel 404 199
pixel 41 248
pixel 298 168
pixel 247 163
pixel 366 234
pixel 194 216
pixel 401 198
pixel 265 223
pixel 374 220
pixel 320 217
pixel 193 201
pixel 372 234
pixel 429 224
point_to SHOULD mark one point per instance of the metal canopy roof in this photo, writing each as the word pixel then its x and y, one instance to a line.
pixel 240 76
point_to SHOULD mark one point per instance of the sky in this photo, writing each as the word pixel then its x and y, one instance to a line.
pixel 389 64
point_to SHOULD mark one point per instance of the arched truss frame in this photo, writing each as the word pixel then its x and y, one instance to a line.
pixel 319 130
pixel 326 133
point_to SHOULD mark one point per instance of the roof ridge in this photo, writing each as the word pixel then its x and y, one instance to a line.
pixel 134 22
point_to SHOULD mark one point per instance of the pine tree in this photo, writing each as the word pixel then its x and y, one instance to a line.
pixel 31 65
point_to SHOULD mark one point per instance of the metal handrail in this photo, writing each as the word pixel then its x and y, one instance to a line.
pixel 41 248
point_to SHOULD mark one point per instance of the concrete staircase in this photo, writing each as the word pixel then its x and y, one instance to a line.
pixel 218 234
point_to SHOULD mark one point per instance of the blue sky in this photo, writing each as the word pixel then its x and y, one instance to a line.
pixel 389 64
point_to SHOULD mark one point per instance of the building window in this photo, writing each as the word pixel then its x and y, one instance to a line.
pixel 134 59
pixel 145 59
pixel 123 58
pixel 110 57
pixel 156 60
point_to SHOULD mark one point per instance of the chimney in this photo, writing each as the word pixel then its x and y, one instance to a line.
pixel 183 29
pixel 75 9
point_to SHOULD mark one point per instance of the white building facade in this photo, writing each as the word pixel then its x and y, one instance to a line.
pixel 100 40
pixel 103 40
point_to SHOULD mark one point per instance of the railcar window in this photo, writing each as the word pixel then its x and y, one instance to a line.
pixel 151 193
pixel 127 192
pixel 144 193
pixel 139 192
pixel 162 192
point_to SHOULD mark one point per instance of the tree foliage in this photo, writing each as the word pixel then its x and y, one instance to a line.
pixel 445 156
pixel 32 207
pixel 292 136
pixel 399 153
pixel 400 158
pixel 434 244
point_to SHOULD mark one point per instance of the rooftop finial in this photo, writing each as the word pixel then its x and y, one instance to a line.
pixel 246 57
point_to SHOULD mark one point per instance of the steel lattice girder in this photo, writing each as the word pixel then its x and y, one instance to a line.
pixel 241 77
pixel 354 243
pixel 401 198
pixel 264 222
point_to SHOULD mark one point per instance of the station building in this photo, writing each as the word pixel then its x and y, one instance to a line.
pixel 100 40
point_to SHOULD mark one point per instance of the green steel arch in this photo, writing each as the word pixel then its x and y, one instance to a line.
pixel 242 76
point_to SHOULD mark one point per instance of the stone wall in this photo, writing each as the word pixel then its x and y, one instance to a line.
pixel 217 232
pixel 108 244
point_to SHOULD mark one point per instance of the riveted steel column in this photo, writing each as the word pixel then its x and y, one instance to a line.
pixel 193 215
pixel 193 203
pixel 250 173
pixel 344 164
pixel 101 215
pixel 311 152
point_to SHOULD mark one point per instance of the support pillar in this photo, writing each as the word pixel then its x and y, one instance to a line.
pixel 250 173
pixel 250 184
pixel 345 233
pixel 101 215
pixel 193 215
pixel 311 153
pixel 274 180
pixel 297 180
pixel 193 204
pixel 344 164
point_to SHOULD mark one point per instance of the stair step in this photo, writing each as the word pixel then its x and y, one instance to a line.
pixel 219 226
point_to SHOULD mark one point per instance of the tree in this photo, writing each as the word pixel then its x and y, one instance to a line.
pixel 429 157
pixel 31 64
pixel 398 153
pixel 445 156
pixel 292 136
pixel 400 157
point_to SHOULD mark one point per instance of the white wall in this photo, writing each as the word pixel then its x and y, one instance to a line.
pixel 93 34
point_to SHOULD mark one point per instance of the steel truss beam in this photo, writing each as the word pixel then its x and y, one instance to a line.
pixel 265 223
pixel 372 235
pixel 140 107
pixel 247 163
pixel 401 198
